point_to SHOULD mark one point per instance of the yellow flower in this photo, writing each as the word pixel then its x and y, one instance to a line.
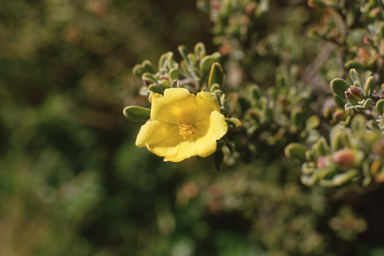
pixel 182 125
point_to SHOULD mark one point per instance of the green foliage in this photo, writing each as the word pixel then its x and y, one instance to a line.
pixel 72 181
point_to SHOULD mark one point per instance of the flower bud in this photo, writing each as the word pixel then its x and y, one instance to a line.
pixel 339 115
pixel 363 55
pixel 354 95
pixel 322 162
pixel 346 158
pixel 378 148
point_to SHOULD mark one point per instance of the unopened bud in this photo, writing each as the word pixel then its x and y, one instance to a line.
pixel 339 115
pixel 363 54
pixel 250 8
pixel 345 158
pixel 378 148
pixel 366 40
pixel 375 13
pixel 354 95
pixel 322 162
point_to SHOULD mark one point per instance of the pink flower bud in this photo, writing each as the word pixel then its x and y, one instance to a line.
pixel 322 162
pixel 363 54
pixel 345 158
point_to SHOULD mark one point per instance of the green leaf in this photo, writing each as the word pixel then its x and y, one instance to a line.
pixel 309 156
pixel 380 106
pixel 339 102
pixel 381 30
pixel 165 83
pixel 216 76
pixel 336 140
pixel 282 80
pixel 186 68
pixel 358 122
pixel 348 176
pixel 149 78
pixel 234 124
pixel 192 59
pixel 206 63
pixel 312 122
pixel 149 67
pixel 354 64
pixel 184 53
pixel 200 50
pixel 138 71
pixel 296 116
pixel 170 60
pixel 215 87
pixel 254 92
pixel 321 148
pixel 348 106
pixel 174 74
pixel 296 151
pixel 367 103
pixel 156 88
pixel 163 60
pixel 355 77
pixel 216 56
pixel 137 114
pixel 339 86
pixel 175 84
pixel 308 168
pixel 373 126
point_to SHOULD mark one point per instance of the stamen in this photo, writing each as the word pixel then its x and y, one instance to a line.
pixel 186 129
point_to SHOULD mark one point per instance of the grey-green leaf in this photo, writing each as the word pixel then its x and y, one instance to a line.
pixel 296 151
pixel 206 63
pixel 339 86
pixel 137 114
pixel 216 76
pixel 355 77
pixel 148 66
pixel 380 106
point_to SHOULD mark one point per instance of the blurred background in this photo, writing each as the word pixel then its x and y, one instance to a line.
pixel 72 181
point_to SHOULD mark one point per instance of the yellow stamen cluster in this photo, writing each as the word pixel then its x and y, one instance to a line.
pixel 186 129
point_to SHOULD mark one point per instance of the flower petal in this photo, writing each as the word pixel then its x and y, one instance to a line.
pixel 208 131
pixel 206 104
pixel 160 138
pixel 203 141
pixel 184 151
pixel 177 106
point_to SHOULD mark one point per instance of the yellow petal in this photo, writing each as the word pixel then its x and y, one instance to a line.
pixel 177 106
pixel 160 138
pixel 185 150
pixel 206 103
pixel 208 131
pixel 203 141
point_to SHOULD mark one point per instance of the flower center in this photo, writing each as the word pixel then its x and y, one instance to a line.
pixel 186 129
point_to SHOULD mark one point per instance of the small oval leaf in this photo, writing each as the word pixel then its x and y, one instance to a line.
pixel 339 86
pixel 296 151
pixel 137 114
